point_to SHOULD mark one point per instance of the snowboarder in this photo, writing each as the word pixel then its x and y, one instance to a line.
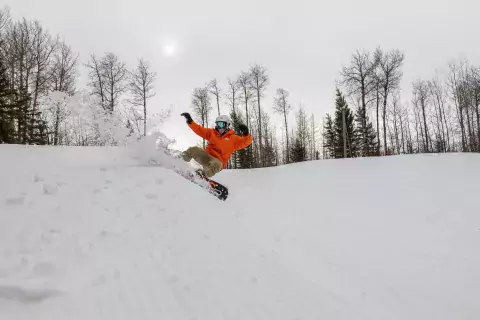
pixel 222 142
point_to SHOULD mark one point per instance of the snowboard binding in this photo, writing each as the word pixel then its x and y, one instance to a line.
pixel 217 189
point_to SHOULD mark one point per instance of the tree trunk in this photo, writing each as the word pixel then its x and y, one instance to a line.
pixel 56 125
pixel 344 129
pixel 391 139
pixel 112 87
pixel 262 162
pixel 378 121
pixel 402 128
pixel 439 122
pixel 385 99
pixel 286 134
pixel 384 118
pixel 364 123
pixel 313 139
pixel 144 112
pixel 425 126
pixel 246 103
pixel 447 129
pixel 418 124
pixel 395 131
pixel 469 128
pixel 34 104
pixel 250 149
pixel 474 134
pixel 477 106
pixel 462 127
pixel 409 137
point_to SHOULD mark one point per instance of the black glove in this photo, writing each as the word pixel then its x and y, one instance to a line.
pixel 243 129
pixel 187 117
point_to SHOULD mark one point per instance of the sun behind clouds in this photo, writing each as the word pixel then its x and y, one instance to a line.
pixel 169 50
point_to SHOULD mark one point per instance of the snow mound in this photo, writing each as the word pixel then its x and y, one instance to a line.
pixel 101 233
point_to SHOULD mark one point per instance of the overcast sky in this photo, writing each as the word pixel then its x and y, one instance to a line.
pixel 303 44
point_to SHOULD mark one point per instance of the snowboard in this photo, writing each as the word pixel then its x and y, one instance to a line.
pixel 213 187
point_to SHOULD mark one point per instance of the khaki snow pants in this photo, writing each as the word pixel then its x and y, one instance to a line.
pixel 210 164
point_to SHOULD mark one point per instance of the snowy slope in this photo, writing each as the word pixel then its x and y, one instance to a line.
pixel 92 233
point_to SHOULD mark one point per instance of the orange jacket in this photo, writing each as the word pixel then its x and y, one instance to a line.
pixel 221 147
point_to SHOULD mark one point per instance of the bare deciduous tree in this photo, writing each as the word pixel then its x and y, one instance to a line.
pixel 115 75
pixel 461 92
pixel 439 101
pixel 201 104
pixel 476 99
pixel 246 94
pixel 269 149
pixel 62 79
pixel 455 83
pixel 421 98
pixel 44 47
pixel 403 119
pixel 233 94
pixel 108 79
pixel 313 135
pixel 141 87
pixel 258 82
pixel 282 105
pixel 4 20
pixel 396 120
pixel 97 82
pixel 216 91
pixel 64 69
pixel 378 80
pixel 359 80
pixel 390 64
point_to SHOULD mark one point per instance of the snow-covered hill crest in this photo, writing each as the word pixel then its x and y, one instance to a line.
pixel 99 233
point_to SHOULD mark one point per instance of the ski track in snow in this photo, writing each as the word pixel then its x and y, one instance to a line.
pixel 92 233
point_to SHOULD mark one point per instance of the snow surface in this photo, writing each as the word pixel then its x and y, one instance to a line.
pixel 97 233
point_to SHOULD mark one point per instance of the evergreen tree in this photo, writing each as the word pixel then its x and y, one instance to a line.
pixel 246 157
pixel 269 153
pixel 329 137
pixel 241 159
pixel 14 109
pixel 269 156
pixel 369 136
pixel 298 152
pixel 351 143
pixel 39 130
pixel 299 147
pixel 6 98
pixel 236 122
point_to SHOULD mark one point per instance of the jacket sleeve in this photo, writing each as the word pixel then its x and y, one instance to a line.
pixel 203 132
pixel 242 142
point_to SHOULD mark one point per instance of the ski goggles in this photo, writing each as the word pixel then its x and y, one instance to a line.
pixel 222 124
